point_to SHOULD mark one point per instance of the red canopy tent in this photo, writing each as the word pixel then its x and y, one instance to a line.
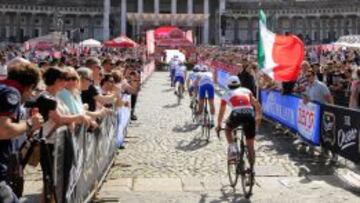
pixel 121 42
pixel 43 46
pixel 169 32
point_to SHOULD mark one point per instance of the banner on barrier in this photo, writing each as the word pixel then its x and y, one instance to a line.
pixel 291 112
pixel 340 131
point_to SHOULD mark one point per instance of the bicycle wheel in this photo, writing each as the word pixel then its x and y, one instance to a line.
pixel 247 178
pixel 232 169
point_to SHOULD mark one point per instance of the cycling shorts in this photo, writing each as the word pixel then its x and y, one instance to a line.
pixel 191 89
pixel 244 117
pixel 206 91
pixel 180 80
pixel 172 73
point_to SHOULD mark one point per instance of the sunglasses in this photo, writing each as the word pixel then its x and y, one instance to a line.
pixel 88 79
pixel 71 78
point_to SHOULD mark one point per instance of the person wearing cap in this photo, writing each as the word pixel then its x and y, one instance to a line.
pixel 242 104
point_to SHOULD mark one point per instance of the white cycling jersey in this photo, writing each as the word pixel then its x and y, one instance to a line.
pixel 238 98
pixel 180 71
pixel 206 78
pixel 174 63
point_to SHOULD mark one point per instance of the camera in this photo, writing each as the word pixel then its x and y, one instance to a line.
pixel 44 103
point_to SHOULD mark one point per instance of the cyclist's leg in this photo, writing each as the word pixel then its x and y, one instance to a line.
pixel 202 97
pixel 176 80
pixel 211 96
pixel 231 123
pixel 182 84
pixel 249 130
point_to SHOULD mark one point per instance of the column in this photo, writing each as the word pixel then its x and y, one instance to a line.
pixel 206 23
pixel 2 26
pixel 92 26
pixel 222 5
pixel 123 17
pixel 106 19
pixel 236 30
pixel 250 38
pixel 16 31
pixel 190 11
pixel 156 10
pixel 319 29
pixel 358 24
pixel 173 11
pixel 140 10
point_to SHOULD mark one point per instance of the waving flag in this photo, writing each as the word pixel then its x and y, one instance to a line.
pixel 279 56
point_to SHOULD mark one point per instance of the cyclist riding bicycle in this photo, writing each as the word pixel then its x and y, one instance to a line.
pixel 190 82
pixel 173 63
pixel 242 103
pixel 205 83
pixel 180 77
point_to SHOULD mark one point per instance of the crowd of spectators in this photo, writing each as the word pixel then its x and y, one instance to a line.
pixel 49 93
pixel 336 73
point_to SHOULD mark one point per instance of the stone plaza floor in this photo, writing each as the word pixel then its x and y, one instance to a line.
pixel 166 160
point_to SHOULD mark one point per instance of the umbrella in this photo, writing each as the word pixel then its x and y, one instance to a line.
pixel 121 42
pixel 90 43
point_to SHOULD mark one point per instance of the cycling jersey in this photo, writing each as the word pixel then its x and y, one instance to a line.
pixel 237 99
pixel 206 78
pixel 206 85
pixel 242 112
pixel 174 63
pixel 180 73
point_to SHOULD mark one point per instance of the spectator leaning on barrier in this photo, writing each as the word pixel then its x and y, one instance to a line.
pixel 316 90
pixel 3 68
pixel 354 101
pixel 17 89
pixel 85 81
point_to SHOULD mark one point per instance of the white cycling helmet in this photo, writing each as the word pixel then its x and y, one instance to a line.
pixel 196 68
pixel 204 68
pixel 233 81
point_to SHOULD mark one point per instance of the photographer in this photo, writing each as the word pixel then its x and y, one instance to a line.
pixel 133 76
pixel 18 88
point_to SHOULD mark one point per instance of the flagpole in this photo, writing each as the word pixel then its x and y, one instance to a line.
pixel 258 73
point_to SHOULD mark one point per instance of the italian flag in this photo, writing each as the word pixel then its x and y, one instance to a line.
pixel 279 56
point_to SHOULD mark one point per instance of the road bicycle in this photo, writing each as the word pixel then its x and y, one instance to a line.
pixel 240 166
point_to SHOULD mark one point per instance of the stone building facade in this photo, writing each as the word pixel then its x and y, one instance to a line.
pixel 315 21
pixel 212 21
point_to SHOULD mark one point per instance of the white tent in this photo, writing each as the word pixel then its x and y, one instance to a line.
pixel 54 38
pixel 90 43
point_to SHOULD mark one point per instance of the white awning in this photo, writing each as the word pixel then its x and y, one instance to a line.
pixel 179 19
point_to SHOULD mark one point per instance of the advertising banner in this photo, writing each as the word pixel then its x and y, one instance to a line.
pixel 340 131
pixel 291 112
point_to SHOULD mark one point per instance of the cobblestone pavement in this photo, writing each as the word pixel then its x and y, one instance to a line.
pixel 166 160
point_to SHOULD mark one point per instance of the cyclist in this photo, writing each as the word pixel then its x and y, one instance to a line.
pixel 205 83
pixel 190 82
pixel 242 103
pixel 180 77
pixel 173 63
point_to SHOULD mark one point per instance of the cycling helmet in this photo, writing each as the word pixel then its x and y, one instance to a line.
pixel 233 81
pixel 204 68
pixel 196 68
